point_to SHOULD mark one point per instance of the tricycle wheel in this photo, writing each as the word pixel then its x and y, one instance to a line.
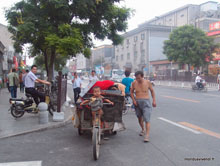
pixel 96 143
pixel 80 132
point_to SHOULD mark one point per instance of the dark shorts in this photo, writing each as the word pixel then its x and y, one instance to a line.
pixel 143 109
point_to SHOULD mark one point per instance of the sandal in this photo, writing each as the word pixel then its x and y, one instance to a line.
pixel 146 139
pixel 141 133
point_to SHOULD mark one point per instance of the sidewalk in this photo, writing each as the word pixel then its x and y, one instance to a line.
pixel 188 85
pixel 9 126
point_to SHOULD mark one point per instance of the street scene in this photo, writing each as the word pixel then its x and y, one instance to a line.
pixel 184 131
pixel 109 83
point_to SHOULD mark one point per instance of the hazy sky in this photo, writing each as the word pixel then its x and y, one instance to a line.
pixel 145 9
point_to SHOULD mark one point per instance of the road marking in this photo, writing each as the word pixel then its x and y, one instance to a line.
pixel 179 125
pixel 27 163
pixel 211 133
pixel 177 98
pixel 212 95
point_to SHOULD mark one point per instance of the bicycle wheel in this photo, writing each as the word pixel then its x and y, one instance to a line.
pixel 96 143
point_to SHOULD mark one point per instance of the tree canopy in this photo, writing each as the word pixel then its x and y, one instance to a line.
pixel 189 45
pixel 65 27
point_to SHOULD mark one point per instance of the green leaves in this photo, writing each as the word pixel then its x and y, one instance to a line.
pixel 189 45
pixel 64 27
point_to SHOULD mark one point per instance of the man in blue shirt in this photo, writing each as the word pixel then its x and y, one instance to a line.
pixel 127 82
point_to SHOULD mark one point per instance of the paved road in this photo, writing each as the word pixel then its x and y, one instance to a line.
pixel 185 132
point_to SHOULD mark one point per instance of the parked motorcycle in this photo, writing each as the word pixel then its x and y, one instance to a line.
pixel 20 106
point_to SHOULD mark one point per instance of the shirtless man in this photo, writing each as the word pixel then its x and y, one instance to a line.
pixel 142 102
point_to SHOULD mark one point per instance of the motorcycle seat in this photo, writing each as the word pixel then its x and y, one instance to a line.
pixel 15 99
pixel 28 95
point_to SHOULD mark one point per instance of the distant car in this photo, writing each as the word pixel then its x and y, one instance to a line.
pixel 85 77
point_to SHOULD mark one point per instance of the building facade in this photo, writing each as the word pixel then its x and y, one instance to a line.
pixel 201 16
pixel 9 59
pixel 102 59
pixel 140 46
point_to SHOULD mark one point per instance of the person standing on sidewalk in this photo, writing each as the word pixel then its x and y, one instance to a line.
pixel 13 81
pixel 77 84
pixel 93 76
pixel 21 82
pixel 142 102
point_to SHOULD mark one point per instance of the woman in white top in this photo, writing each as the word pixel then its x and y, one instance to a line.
pixel 93 77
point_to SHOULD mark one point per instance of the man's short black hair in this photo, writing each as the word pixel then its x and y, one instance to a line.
pixel 33 66
pixel 139 73
pixel 13 70
pixel 93 71
pixel 127 73
pixel 26 71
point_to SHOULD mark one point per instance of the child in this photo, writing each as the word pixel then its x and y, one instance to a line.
pixel 96 102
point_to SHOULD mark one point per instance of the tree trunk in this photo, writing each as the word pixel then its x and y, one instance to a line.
pixel 188 67
pixel 46 61
pixel 51 65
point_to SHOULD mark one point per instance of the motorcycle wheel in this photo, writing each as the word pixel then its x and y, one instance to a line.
pixel 17 112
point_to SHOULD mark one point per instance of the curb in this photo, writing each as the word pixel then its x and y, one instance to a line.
pixel 185 87
pixel 60 124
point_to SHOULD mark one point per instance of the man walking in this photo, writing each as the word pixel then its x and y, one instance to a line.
pixel 30 80
pixel 142 102
pixel 13 81
pixel 93 76
pixel 127 82
pixel 77 84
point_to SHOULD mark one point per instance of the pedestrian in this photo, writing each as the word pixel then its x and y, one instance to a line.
pixel 93 76
pixel 143 107
pixel 13 81
pixel 218 81
pixel 30 80
pixel 77 84
pixel 127 82
pixel 21 82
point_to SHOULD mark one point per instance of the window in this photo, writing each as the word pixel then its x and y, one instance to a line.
pixel 128 42
pixel 128 56
pixel 143 53
pixel 122 57
pixel 142 36
pixel 135 56
pixel 170 19
pixel 135 38
pixel 134 47
pixel 182 15
pixel 142 46
pixel 116 58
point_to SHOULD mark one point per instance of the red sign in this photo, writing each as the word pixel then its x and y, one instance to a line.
pixel 213 33
pixel 214 26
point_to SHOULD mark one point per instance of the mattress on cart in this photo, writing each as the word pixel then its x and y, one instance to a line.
pixel 111 113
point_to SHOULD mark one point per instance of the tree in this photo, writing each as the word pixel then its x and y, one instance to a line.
pixel 189 45
pixel 65 27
